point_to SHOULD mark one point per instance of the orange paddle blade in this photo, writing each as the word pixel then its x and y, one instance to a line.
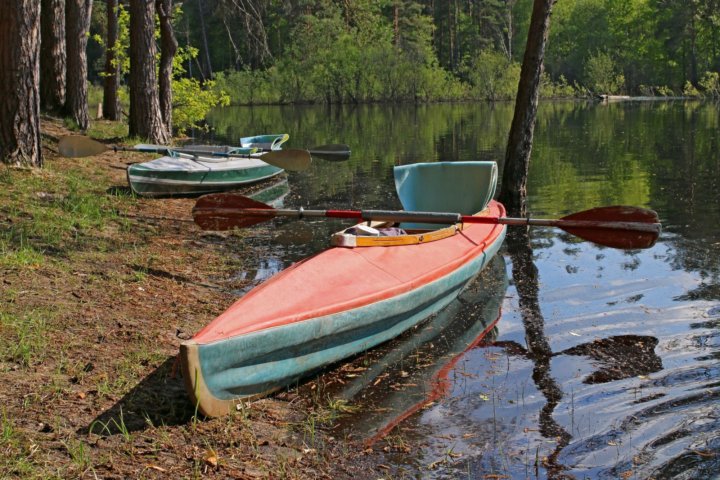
pixel 616 226
pixel 219 211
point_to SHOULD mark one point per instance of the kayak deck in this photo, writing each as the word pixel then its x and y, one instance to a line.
pixel 342 279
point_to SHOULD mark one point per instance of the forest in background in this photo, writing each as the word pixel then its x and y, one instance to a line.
pixel 354 51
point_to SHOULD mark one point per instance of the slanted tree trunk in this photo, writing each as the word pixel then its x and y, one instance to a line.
pixel 168 48
pixel 145 117
pixel 519 148
pixel 20 80
pixel 111 104
pixel 77 24
pixel 52 55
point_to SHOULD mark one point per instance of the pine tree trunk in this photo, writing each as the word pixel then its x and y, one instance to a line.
pixel 145 116
pixel 77 24
pixel 111 104
pixel 168 48
pixel 519 148
pixel 20 77
pixel 206 49
pixel 52 55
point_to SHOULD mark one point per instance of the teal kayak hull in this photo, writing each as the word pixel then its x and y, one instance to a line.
pixel 256 364
pixel 169 176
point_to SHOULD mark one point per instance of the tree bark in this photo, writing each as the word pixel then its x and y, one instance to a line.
pixel 111 104
pixel 206 49
pixel 52 55
pixel 77 24
pixel 168 48
pixel 517 156
pixel 145 117
pixel 20 80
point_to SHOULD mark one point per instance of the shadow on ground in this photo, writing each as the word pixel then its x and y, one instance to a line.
pixel 159 399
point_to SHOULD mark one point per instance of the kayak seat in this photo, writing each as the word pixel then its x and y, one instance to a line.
pixel 451 187
pixel 265 142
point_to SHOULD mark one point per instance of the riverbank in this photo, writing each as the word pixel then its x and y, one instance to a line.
pixel 98 289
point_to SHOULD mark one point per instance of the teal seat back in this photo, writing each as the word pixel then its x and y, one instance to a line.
pixel 453 187
pixel 272 141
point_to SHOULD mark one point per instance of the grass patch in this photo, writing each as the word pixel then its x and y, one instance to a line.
pixel 24 337
pixel 95 292
pixel 15 453
pixel 52 213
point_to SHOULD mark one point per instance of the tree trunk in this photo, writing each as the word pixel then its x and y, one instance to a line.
pixel 519 148
pixel 168 48
pixel 145 116
pixel 206 49
pixel 111 104
pixel 20 80
pixel 77 24
pixel 52 55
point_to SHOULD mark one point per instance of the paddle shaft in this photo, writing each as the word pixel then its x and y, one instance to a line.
pixel 431 217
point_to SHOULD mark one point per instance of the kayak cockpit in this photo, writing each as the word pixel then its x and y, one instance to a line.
pixel 459 187
pixel 389 235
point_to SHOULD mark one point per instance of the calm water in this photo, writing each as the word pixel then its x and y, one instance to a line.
pixel 602 363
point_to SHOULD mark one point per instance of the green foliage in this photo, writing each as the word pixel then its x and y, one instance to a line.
pixel 689 90
pixel 561 88
pixel 710 85
pixel 331 60
pixel 492 76
pixel 122 44
pixel 601 75
pixel 192 102
pixel 249 87
pixel 331 51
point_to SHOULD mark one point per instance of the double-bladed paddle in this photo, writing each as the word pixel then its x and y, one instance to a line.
pixel 291 159
pixel 616 226
pixel 335 151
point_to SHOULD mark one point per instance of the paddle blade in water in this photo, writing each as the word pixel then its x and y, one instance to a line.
pixel 76 146
pixel 625 227
pixel 222 211
pixel 291 159
pixel 334 152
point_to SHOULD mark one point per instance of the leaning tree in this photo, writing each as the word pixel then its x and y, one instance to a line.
pixel 519 147
pixel 20 83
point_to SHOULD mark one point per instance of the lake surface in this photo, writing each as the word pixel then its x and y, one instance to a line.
pixel 602 364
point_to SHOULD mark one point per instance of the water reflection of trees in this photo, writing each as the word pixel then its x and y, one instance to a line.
pixel 615 357
pixel 525 277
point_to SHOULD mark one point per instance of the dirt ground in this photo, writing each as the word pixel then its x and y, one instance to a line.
pixel 90 386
